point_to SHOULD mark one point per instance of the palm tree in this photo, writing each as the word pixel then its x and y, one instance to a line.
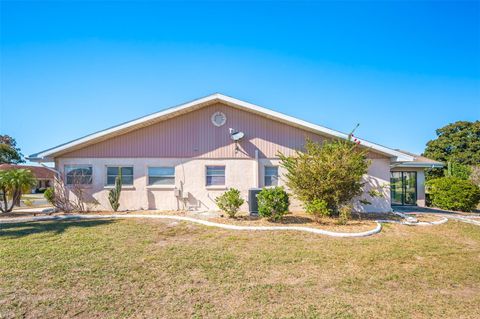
pixel 12 184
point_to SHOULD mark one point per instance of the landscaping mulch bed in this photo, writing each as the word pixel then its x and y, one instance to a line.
pixel 358 223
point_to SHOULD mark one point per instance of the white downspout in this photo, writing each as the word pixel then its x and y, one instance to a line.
pixel 256 167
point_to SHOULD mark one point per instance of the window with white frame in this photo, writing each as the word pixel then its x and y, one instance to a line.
pixel 215 175
pixel 161 176
pixel 114 171
pixel 78 174
pixel 271 176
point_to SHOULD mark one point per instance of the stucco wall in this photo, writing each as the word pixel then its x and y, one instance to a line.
pixel 190 176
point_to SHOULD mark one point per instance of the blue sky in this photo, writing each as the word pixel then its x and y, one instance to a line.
pixel 400 69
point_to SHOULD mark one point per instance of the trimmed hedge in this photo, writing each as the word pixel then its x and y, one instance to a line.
pixel 453 193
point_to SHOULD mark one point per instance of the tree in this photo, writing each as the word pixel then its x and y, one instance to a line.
pixel 330 172
pixel 458 142
pixel 9 152
pixel 12 184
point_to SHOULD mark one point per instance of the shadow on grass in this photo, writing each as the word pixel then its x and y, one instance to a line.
pixel 16 230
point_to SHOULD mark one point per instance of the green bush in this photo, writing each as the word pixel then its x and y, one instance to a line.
pixel 49 195
pixel 332 172
pixel 344 214
pixel 454 193
pixel 273 203
pixel 318 209
pixel 230 202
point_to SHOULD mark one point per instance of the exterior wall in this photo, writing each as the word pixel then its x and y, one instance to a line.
pixel 377 178
pixel 420 182
pixel 190 177
pixel 193 135
pixel 190 142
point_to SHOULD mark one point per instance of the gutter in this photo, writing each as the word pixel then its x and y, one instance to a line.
pixel 417 164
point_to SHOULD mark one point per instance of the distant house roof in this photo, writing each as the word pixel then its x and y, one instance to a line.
pixel 49 154
pixel 38 171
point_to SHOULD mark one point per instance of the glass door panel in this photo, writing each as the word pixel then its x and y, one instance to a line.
pixel 410 186
pixel 403 188
pixel 396 187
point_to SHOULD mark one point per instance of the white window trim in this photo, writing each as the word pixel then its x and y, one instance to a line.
pixel 265 175
pixel 224 186
pixel 164 186
pixel 65 175
pixel 105 184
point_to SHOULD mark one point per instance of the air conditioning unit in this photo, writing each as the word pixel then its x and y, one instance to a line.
pixel 253 201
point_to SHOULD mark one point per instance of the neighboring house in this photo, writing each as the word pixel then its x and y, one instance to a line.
pixel 185 156
pixel 44 176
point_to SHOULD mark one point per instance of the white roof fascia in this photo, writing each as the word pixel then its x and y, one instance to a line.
pixel 417 164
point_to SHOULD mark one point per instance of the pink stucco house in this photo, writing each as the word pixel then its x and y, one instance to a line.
pixel 187 155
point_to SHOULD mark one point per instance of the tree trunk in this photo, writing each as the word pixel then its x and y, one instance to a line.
pixel 17 194
pixel 4 207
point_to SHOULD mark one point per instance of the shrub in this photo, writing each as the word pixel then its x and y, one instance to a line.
pixel 28 202
pixel 49 195
pixel 318 209
pixel 344 214
pixel 454 193
pixel 273 203
pixel 69 198
pixel 230 202
pixel 332 172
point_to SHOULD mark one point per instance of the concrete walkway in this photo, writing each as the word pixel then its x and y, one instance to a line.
pixel 471 218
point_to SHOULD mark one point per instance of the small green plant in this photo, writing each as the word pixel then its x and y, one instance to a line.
pixel 344 214
pixel 273 203
pixel 28 202
pixel 49 195
pixel 114 194
pixel 454 193
pixel 230 202
pixel 318 209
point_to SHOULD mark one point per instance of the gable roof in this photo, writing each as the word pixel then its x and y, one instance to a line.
pixel 49 154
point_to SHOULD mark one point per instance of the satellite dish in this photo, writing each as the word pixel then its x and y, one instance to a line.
pixel 235 135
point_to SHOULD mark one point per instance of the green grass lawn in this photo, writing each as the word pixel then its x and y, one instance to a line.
pixel 149 268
